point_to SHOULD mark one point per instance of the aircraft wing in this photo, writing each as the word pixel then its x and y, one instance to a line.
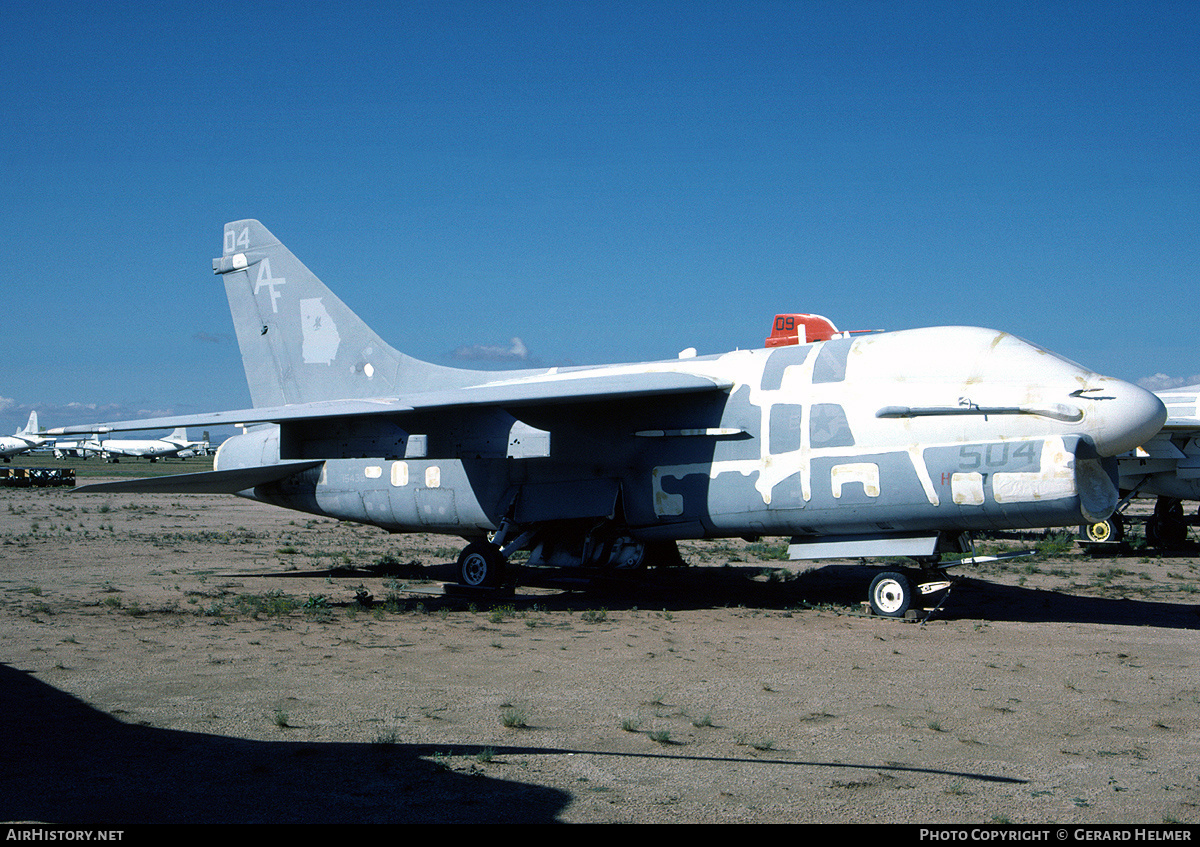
pixel 271 414
pixel 553 389
pixel 207 482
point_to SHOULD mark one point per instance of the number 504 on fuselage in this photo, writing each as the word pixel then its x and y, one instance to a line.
pixel 886 444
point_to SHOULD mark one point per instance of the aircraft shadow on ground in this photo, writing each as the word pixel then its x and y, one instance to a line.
pixel 64 762
pixel 834 585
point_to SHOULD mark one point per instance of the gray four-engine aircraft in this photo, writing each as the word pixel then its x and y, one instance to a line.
pixel 169 446
pixel 890 444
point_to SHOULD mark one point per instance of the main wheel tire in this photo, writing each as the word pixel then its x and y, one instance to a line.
pixel 480 565
pixel 891 594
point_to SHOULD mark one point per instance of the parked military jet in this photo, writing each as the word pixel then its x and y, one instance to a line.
pixel 891 444
pixel 1165 467
pixel 22 439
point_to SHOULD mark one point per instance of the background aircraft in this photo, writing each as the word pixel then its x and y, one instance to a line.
pixel 1166 467
pixel 175 444
pixel 891 444
pixel 22 440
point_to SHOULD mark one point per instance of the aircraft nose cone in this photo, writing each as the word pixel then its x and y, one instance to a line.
pixel 1124 416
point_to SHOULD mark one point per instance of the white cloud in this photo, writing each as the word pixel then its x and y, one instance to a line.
pixel 516 351
pixel 1162 382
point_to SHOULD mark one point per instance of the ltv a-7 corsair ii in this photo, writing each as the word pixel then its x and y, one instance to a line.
pixel 890 444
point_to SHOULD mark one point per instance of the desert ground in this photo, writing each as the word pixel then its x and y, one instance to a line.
pixel 209 659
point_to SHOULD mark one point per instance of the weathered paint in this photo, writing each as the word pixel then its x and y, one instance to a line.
pixel 888 435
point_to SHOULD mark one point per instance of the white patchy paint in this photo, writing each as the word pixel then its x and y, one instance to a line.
pixel 369 370
pixel 240 263
pixel 1054 481
pixel 433 477
pixel 967 488
pixel 373 472
pixel 918 462
pixel 320 336
pixel 399 473
pixel 865 473
pixel 665 504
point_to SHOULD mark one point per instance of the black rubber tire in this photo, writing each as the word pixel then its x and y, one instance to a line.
pixel 1110 531
pixel 1167 528
pixel 891 594
pixel 480 565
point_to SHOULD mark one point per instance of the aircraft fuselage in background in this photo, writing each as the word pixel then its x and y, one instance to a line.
pixel 175 444
pixel 21 441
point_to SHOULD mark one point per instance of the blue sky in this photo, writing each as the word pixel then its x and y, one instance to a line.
pixel 586 182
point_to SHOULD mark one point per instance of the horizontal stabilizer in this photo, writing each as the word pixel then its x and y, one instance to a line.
pixel 208 482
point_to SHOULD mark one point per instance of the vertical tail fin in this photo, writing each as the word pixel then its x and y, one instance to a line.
pixel 31 428
pixel 299 342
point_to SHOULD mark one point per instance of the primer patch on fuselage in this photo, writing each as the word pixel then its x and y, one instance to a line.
pixel 831 361
pixel 779 361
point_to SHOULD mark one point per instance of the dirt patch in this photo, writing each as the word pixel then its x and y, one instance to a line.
pixel 193 658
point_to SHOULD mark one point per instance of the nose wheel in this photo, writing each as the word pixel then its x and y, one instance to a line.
pixel 1110 531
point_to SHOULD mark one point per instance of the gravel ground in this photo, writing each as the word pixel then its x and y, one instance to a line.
pixel 206 659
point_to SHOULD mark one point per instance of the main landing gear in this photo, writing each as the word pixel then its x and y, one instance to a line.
pixel 1167 527
pixel 893 593
pixel 481 565
pixel 897 593
pixel 601 545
